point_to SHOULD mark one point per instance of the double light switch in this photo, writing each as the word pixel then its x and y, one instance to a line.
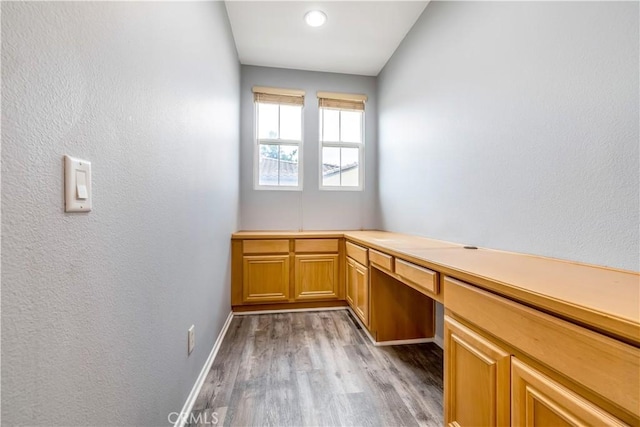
pixel 77 185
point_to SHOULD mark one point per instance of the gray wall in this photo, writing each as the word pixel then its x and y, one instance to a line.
pixel 309 209
pixel 514 125
pixel 95 307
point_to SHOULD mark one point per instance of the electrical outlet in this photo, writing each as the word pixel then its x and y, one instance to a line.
pixel 191 339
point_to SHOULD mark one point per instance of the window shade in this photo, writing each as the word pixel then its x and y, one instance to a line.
pixel 344 101
pixel 274 95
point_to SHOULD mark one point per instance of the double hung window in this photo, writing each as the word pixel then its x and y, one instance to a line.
pixel 341 141
pixel 278 150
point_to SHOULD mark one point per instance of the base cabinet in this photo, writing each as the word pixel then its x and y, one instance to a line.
pixel 350 282
pixel 537 400
pixel 477 378
pixel 272 273
pixel 265 278
pixel 362 293
pixel 316 277
pixel 504 360
pixel 358 289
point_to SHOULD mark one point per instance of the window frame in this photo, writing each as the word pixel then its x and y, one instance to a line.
pixel 257 142
pixel 338 144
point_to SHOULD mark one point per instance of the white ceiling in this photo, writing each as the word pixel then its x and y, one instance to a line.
pixel 359 37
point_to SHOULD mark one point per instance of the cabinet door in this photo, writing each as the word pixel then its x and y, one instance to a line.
pixel 361 284
pixel 477 378
pixel 316 277
pixel 537 400
pixel 265 278
pixel 351 283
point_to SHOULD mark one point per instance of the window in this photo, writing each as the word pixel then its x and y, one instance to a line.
pixel 278 158
pixel 341 141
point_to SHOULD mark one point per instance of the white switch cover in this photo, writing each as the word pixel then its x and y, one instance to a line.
pixel 77 185
pixel 191 339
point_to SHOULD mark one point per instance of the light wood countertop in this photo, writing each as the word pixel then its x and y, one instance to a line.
pixel 287 234
pixel 601 298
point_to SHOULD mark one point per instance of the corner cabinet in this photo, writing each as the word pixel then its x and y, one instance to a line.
pixel 358 281
pixel 351 282
pixel 361 284
pixel 358 289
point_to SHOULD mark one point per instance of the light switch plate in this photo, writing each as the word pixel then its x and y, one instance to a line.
pixel 77 185
pixel 191 339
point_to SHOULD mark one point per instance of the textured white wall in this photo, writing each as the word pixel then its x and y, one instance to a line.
pixel 310 209
pixel 95 307
pixel 514 125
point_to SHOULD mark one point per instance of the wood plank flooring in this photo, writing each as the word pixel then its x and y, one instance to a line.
pixel 318 369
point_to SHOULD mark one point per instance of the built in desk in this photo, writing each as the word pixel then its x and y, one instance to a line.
pixel 528 340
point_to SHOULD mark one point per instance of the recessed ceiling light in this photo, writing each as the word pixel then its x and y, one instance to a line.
pixel 315 18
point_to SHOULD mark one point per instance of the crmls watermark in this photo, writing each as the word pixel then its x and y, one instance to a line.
pixel 196 417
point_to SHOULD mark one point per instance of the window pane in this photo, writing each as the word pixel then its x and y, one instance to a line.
pixel 268 168
pixel 291 122
pixel 288 165
pixel 331 166
pixel 349 167
pixel 267 121
pixel 351 126
pixel 330 125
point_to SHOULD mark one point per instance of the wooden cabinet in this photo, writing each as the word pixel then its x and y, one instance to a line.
pixel 362 293
pixel 380 259
pixel 477 383
pixel 357 253
pixel 274 246
pixel 351 282
pixel 316 277
pixel 265 278
pixel 537 400
pixel 422 278
pixel 316 245
pixel 273 272
pixel 358 289
pixel 570 377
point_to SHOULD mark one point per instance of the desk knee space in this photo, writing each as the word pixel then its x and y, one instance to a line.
pixel 398 312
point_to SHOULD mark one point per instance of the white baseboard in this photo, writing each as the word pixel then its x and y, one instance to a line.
pixel 364 328
pixel 288 310
pixel 195 391
pixel 438 341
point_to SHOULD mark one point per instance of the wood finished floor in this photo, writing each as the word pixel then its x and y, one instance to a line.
pixel 318 369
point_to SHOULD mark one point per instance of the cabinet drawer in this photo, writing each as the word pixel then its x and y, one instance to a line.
pixel 383 260
pixel 316 245
pixel 265 246
pixel 358 253
pixel 420 276
pixel 606 366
